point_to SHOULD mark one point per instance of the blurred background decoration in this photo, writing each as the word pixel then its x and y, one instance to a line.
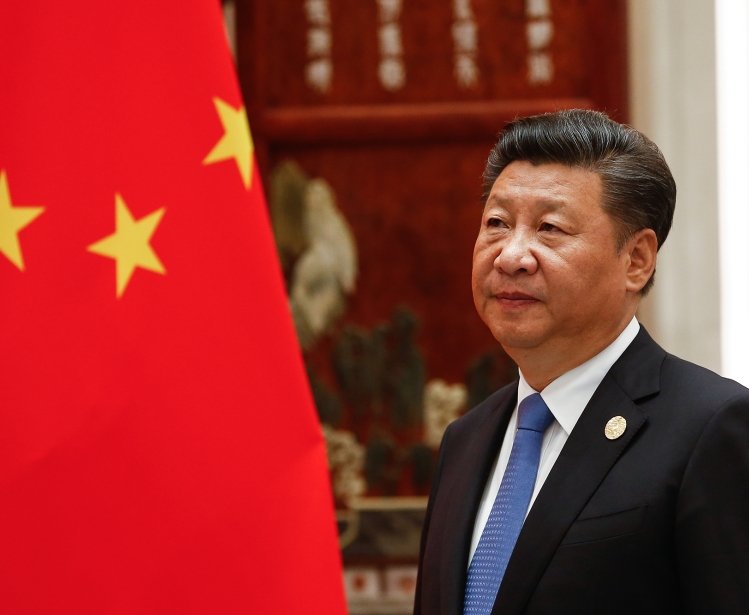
pixel 316 248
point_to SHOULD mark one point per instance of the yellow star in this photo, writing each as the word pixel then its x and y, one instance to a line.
pixel 236 142
pixel 12 221
pixel 129 244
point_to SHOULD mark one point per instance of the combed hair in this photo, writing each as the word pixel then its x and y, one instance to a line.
pixel 638 188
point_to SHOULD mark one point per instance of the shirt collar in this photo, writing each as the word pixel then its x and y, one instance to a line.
pixel 568 395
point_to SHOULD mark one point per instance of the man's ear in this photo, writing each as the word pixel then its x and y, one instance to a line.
pixel 641 250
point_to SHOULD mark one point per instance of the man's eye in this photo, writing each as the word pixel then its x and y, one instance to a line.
pixel 547 227
pixel 495 223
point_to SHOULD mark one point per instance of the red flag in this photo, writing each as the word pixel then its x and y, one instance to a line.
pixel 159 451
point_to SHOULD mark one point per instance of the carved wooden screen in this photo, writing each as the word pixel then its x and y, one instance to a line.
pixel 387 109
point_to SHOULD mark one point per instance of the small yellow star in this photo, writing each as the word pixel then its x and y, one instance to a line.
pixel 236 142
pixel 12 221
pixel 129 244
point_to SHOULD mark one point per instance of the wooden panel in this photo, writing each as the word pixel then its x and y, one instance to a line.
pixel 585 49
pixel 399 122
pixel 431 34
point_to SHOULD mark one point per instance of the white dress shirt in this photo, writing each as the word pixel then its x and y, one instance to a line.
pixel 566 397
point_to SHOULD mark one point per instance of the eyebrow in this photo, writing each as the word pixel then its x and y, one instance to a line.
pixel 547 204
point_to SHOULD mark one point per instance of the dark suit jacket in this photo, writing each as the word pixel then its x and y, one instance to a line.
pixel 656 521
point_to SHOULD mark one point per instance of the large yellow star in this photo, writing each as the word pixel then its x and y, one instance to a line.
pixel 12 221
pixel 236 142
pixel 129 245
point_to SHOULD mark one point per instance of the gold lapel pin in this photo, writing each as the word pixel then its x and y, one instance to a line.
pixel 615 427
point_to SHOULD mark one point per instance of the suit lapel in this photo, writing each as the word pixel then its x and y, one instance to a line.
pixel 585 460
pixel 471 474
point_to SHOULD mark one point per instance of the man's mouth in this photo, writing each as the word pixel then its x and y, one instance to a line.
pixel 515 296
pixel 515 299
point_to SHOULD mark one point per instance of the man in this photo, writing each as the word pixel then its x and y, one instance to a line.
pixel 612 477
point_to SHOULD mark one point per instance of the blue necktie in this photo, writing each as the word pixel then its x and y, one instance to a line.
pixel 508 511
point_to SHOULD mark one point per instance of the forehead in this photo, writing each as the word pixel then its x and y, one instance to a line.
pixel 551 184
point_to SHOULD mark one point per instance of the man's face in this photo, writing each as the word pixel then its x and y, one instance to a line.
pixel 546 272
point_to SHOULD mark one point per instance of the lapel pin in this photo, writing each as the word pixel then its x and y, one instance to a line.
pixel 615 427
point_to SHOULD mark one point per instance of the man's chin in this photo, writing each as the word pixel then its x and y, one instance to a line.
pixel 518 340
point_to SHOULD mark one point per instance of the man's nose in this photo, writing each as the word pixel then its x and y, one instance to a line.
pixel 516 254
